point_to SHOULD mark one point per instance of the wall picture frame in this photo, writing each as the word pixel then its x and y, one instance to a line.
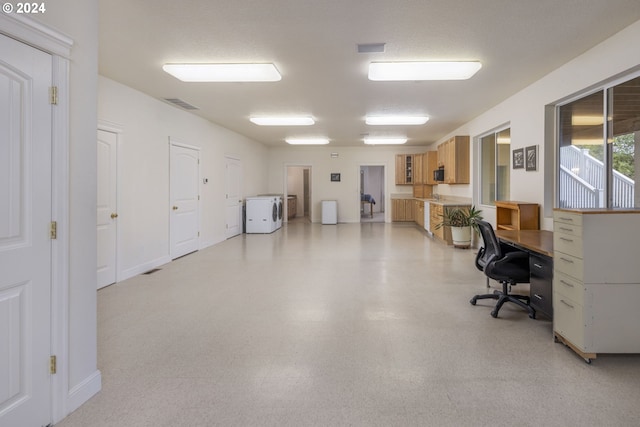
pixel 531 157
pixel 335 177
pixel 518 158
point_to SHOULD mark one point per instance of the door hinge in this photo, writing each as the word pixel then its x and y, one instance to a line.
pixel 52 365
pixel 198 234
pixel 53 95
pixel 198 197
pixel 53 230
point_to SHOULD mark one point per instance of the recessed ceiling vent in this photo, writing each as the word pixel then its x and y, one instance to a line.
pixel 371 48
pixel 180 103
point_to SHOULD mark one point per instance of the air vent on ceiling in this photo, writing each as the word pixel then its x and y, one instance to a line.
pixel 371 48
pixel 180 103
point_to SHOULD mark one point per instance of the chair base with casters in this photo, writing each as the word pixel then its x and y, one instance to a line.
pixel 504 296
pixel 504 264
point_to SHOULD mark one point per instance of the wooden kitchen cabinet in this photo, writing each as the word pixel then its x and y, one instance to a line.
pixel 418 212
pixel 429 164
pixel 453 154
pixel 402 210
pixel 404 169
pixel 425 164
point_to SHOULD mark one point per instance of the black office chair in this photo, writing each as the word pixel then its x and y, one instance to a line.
pixel 506 265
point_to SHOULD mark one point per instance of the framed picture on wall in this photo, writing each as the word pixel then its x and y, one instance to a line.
pixel 518 158
pixel 335 177
pixel 531 157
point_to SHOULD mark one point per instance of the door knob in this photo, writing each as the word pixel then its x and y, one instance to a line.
pixel 114 215
pixel 175 208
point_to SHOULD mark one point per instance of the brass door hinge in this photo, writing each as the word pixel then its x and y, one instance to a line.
pixel 52 365
pixel 53 230
pixel 53 95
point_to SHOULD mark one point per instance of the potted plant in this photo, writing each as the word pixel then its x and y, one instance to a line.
pixel 461 221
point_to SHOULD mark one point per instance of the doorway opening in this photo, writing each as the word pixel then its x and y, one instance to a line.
pixel 298 192
pixel 372 197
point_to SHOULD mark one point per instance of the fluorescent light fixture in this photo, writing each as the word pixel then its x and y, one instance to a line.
pixel 587 120
pixel 400 71
pixel 282 120
pixel 396 120
pixel 307 141
pixel 223 72
pixel 385 141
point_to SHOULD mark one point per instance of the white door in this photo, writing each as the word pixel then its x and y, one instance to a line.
pixel 25 245
pixel 233 197
pixel 106 208
pixel 185 200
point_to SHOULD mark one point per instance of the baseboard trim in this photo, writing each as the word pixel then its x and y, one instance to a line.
pixel 143 268
pixel 84 391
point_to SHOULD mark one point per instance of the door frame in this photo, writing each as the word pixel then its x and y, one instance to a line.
pixel 285 204
pixel 227 158
pixel 116 128
pixel 40 36
pixel 387 211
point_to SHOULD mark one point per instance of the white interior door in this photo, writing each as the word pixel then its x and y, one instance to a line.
pixel 185 200
pixel 25 245
pixel 107 213
pixel 233 197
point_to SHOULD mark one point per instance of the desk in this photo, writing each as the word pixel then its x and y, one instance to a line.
pixel 539 245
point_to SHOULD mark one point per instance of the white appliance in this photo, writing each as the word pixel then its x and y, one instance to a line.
pixel 279 201
pixel 427 218
pixel 261 214
pixel 329 212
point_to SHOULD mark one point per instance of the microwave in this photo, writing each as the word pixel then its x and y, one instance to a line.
pixel 438 174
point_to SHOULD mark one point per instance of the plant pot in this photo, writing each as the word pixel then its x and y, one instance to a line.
pixel 461 237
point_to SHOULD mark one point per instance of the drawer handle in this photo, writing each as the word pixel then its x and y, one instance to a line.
pixel 566 260
pixel 566 303
pixel 566 229
pixel 538 296
pixel 537 265
pixel 566 240
pixel 566 283
pixel 566 219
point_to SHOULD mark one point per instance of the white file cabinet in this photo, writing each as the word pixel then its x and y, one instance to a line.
pixel 596 280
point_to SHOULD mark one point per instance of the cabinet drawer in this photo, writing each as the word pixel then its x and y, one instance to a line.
pixel 568 286
pixel 571 229
pixel 568 319
pixel 568 244
pixel 569 265
pixel 567 218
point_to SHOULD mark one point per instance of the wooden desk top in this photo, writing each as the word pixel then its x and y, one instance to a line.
pixel 540 241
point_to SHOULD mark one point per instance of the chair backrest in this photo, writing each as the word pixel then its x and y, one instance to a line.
pixel 491 247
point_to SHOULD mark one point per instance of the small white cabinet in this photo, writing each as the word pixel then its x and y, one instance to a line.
pixel 596 281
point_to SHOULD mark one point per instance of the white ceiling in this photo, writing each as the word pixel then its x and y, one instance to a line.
pixel 314 46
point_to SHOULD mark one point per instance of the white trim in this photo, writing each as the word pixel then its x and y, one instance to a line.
pixel 36 34
pixel 84 391
pixel 173 141
pixel 387 196
pixel 143 268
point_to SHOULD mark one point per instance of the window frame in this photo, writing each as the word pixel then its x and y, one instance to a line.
pixel 495 132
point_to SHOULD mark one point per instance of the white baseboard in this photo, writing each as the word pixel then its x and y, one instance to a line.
pixel 84 391
pixel 143 268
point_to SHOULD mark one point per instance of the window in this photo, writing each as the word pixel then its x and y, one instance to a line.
pixel 495 162
pixel 597 156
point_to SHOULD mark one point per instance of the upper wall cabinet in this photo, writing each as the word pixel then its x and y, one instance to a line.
pixel 454 156
pixel 404 169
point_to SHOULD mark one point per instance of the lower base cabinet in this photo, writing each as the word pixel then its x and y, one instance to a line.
pixel 541 268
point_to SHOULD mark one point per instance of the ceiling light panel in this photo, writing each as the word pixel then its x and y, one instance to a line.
pixel 307 141
pixel 415 71
pixel 282 120
pixel 223 72
pixel 396 120
pixel 385 141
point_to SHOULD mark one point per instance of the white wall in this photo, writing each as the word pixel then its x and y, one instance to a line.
pixel 348 162
pixel 525 112
pixel 143 211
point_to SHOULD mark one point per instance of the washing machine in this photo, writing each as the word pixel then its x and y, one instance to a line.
pixel 261 214
pixel 279 199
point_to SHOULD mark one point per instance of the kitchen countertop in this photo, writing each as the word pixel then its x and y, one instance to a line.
pixel 443 200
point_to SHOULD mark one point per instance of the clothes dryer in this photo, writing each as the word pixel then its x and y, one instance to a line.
pixel 279 200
